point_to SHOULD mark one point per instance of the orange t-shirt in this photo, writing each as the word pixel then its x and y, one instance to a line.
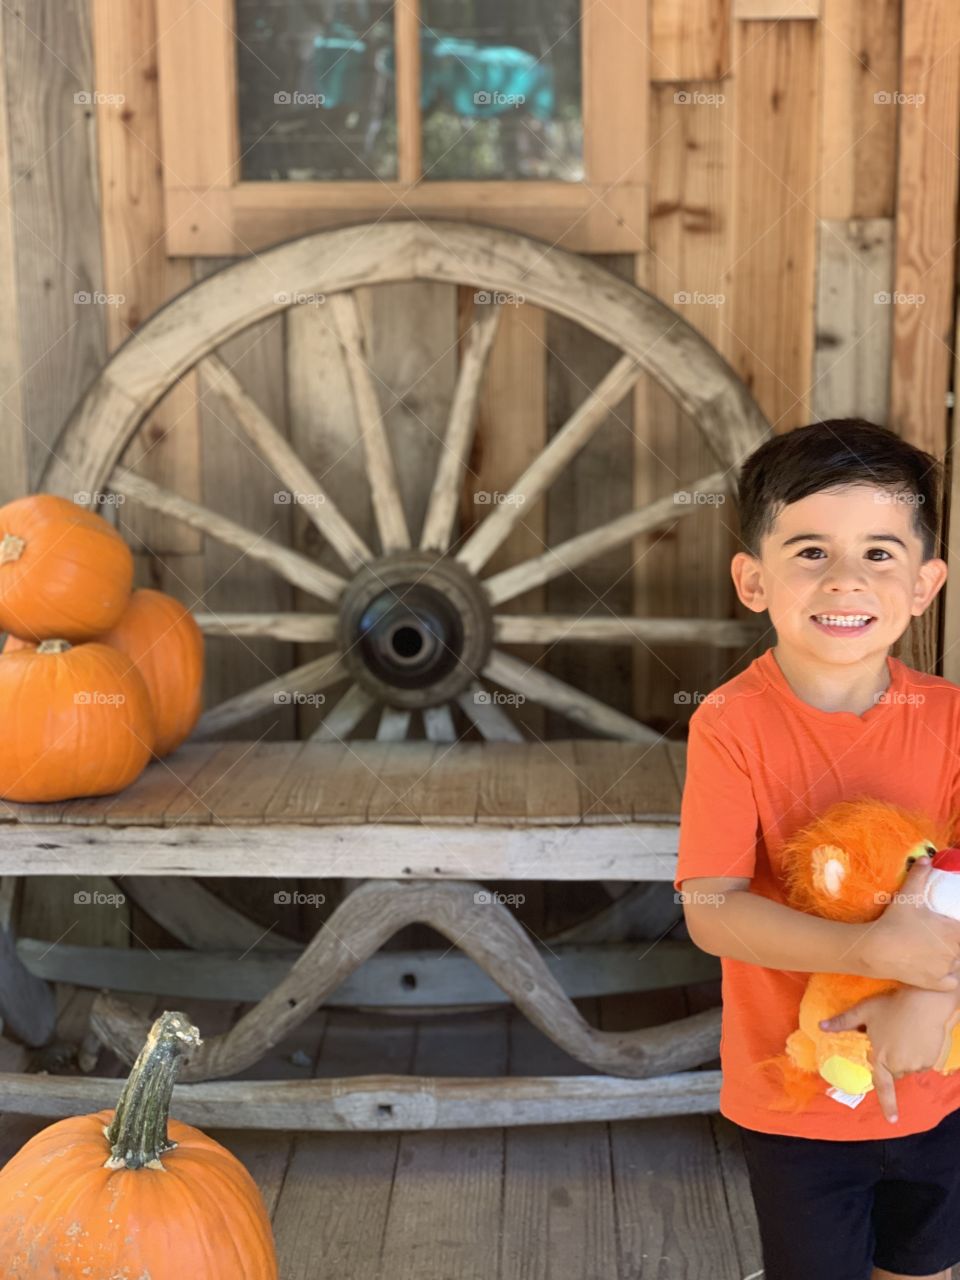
pixel 761 763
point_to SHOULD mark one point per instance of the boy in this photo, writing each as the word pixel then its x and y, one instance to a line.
pixel 839 520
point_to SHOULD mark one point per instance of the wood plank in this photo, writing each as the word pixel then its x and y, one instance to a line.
pixel 598 485
pixel 502 793
pixel 691 240
pixel 393 849
pixel 189 804
pixel 51 151
pixel 619 785
pixel 776 95
pixel 858 135
pixel 690 40
pixel 144 801
pixel 353 1174
pixel 449 791
pixel 324 784
pixel 552 782
pixel 776 10
pixel 511 432
pixel 244 792
pixel 445 1209
pixel 402 777
pixel 237 481
pixel 136 269
pixel 667 1176
pixel 926 238
pixel 854 325
pixel 13 429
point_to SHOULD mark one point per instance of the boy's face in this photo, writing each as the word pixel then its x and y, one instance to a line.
pixel 843 551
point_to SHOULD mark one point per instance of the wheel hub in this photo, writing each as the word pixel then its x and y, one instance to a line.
pixel 415 631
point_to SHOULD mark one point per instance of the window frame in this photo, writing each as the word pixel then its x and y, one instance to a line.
pixel 209 210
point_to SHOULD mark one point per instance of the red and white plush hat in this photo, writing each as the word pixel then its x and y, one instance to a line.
pixel 943 884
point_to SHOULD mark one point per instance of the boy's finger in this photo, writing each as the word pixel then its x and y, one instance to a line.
pixel 849 1020
pixel 886 1089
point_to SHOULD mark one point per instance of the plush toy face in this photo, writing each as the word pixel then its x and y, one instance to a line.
pixel 848 864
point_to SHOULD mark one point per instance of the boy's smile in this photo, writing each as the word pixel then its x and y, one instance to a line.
pixel 841 574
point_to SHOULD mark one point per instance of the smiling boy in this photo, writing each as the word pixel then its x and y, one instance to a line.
pixel 839 521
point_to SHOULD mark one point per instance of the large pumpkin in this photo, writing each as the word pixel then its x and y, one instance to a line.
pixel 77 721
pixel 64 571
pixel 131 1193
pixel 162 639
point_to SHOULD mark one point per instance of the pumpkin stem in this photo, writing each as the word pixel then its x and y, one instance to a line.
pixel 138 1132
pixel 53 646
pixel 11 548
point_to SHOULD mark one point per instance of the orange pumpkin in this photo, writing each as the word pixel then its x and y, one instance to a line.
pixel 132 1193
pixel 78 721
pixel 64 571
pixel 162 639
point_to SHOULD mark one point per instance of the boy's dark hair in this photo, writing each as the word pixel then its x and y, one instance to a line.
pixel 827 455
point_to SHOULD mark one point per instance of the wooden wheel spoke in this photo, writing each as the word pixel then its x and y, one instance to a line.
pixel 303 628
pixel 394 724
pixel 545 468
pixel 292 566
pixel 438 724
pixel 309 678
pixel 384 488
pixel 345 716
pixel 286 464
pixel 559 696
pixel 445 495
pixel 587 546
pixel 543 629
pixel 490 719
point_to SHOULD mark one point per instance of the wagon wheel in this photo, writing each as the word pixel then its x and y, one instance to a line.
pixel 415 620
pixel 415 623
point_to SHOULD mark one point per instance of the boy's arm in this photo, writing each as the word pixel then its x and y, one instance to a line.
pixel 907 942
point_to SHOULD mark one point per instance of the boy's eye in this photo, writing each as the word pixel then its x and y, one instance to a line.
pixel 818 551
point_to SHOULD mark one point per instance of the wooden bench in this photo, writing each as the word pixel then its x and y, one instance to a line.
pixel 415 623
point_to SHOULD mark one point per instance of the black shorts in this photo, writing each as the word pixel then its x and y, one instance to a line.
pixel 834 1210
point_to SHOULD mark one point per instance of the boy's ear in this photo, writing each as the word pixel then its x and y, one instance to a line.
pixel 830 867
pixel 745 570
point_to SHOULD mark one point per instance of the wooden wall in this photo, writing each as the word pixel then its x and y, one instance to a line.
pixel 786 188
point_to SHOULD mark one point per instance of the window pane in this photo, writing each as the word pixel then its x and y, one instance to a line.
pixel 501 91
pixel 316 91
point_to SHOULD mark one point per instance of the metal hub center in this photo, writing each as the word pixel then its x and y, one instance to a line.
pixel 415 631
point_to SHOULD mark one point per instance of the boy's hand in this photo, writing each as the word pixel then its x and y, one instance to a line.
pixel 911 943
pixel 909 1030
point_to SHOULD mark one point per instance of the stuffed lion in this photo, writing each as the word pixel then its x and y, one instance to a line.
pixel 847 865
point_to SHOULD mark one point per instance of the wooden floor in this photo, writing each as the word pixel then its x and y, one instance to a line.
pixel 634 1200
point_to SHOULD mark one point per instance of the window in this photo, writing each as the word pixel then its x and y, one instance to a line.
pixel 302 114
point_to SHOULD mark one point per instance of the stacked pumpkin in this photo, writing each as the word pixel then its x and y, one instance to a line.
pixel 95 678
